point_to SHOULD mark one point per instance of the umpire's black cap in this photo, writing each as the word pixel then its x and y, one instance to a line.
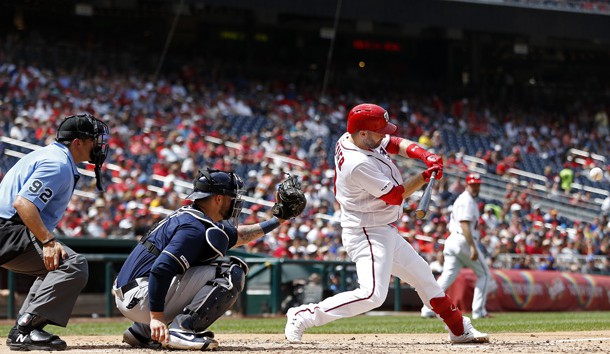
pixel 80 126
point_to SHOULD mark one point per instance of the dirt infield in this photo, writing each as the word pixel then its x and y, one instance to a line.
pixel 557 342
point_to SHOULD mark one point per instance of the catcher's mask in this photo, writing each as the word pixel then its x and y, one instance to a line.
pixel 213 182
pixel 86 126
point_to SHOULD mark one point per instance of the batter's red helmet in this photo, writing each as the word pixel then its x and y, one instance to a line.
pixel 473 178
pixel 371 117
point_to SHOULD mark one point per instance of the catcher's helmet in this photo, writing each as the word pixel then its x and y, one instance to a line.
pixel 473 178
pixel 86 126
pixel 215 182
pixel 371 117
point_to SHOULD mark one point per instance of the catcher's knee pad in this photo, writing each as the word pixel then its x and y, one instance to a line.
pixel 218 296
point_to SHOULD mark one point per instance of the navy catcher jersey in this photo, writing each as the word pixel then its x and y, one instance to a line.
pixel 45 177
pixel 185 238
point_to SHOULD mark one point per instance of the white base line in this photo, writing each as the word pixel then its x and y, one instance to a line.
pixel 579 340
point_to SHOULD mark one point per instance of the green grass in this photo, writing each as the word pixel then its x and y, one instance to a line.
pixel 518 322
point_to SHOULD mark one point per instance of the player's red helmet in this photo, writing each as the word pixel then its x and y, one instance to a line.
pixel 473 178
pixel 371 117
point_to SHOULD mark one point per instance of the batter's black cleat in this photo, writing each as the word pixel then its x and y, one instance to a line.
pixel 36 339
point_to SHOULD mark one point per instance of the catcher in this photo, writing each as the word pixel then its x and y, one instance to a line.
pixel 177 281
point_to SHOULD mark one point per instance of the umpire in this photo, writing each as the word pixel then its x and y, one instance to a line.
pixel 34 195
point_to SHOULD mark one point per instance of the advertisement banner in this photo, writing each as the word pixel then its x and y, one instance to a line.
pixel 531 290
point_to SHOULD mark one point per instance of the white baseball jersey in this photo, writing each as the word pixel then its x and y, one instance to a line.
pixel 361 177
pixel 465 208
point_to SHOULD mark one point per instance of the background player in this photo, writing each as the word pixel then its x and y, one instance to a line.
pixel 461 248
pixel 175 274
pixel 34 195
pixel 370 189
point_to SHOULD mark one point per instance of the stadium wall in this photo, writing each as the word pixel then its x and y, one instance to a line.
pixel 525 290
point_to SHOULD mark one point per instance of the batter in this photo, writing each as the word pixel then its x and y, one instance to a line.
pixel 370 189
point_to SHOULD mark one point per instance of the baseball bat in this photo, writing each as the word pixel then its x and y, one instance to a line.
pixel 424 202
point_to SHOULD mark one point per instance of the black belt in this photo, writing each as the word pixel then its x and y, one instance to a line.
pixel 120 292
pixel 130 285
pixel 15 219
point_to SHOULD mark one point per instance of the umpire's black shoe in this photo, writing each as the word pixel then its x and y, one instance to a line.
pixel 11 333
pixel 36 339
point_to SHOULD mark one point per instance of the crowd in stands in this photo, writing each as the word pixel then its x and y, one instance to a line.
pixel 163 131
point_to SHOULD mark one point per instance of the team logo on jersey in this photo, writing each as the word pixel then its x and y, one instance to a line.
pixel 186 263
pixel 389 184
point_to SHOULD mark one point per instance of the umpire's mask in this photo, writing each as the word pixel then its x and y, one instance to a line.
pixel 86 126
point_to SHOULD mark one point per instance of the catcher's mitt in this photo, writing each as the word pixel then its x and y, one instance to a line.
pixel 290 199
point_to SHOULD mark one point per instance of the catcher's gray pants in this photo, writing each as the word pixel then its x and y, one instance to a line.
pixel 54 293
pixel 185 289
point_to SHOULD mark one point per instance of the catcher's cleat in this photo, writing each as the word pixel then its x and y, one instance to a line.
pixel 36 339
pixel 136 340
pixel 470 335
pixel 179 339
pixel 295 325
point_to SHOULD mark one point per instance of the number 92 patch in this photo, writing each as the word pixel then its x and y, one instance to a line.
pixel 44 194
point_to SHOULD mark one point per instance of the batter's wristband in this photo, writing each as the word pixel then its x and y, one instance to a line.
pixel 415 151
pixel 48 241
pixel 270 225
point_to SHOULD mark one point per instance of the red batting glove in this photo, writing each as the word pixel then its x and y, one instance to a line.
pixel 435 160
pixel 428 172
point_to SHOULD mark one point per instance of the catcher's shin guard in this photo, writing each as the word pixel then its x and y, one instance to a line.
pixel 222 293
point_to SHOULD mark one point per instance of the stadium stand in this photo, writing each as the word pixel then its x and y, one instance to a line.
pixel 193 115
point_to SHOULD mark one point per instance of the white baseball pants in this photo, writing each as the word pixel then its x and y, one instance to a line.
pixel 183 289
pixel 378 252
pixel 457 256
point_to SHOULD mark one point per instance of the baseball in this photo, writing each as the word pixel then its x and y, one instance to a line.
pixel 596 174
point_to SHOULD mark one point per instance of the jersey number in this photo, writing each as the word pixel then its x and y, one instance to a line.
pixel 46 194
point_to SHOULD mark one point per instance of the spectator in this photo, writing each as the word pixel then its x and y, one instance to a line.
pixel 436 265
pixel 566 176
pixel 547 263
pixel 589 266
pixel 19 130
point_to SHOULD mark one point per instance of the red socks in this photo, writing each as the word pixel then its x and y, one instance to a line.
pixel 451 315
